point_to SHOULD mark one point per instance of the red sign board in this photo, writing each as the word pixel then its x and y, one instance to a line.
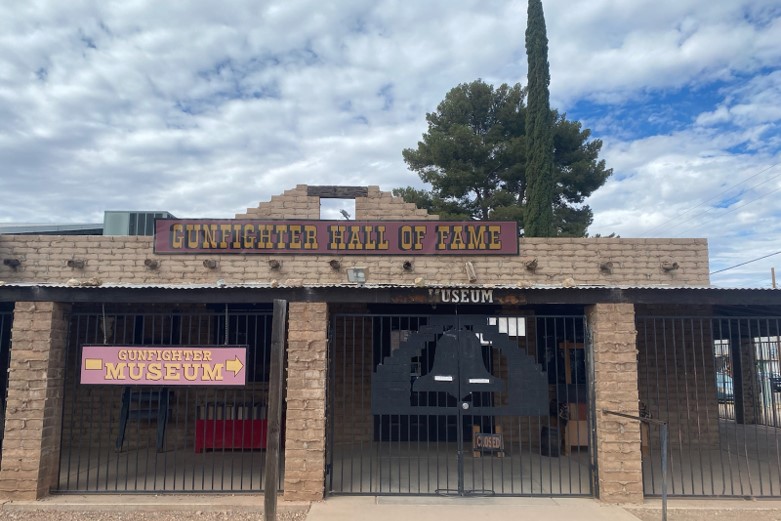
pixel 141 365
pixel 336 237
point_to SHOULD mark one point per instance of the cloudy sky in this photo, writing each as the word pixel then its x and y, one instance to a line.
pixel 205 108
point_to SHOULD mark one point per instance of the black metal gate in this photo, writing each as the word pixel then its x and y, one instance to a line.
pixel 6 320
pixel 716 381
pixel 458 405
pixel 166 439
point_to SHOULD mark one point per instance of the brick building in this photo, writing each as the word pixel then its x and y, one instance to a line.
pixel 464 372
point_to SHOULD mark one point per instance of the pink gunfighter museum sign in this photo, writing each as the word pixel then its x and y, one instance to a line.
pixel 141 365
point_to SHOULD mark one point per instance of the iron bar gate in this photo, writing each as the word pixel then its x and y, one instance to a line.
pixel 716 382
pixel 458 405
pixel 6 320
pixel 166 439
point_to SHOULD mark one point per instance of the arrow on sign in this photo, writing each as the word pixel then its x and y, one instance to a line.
pixel 93 364
pixel 234 365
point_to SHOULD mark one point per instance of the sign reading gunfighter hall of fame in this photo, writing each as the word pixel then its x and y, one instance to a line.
pixel 336 237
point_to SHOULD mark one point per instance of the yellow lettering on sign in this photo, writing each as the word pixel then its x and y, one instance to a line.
pixel 295 237
pixel 191 372
pixel 213 373
pixel 355 239
pixel 177 236
pixel 476 237
pixel 443 237
pixel 193 234
pixel 115 371
pixel 249 236
pixel 264 236
pixel 172 371
pixel 281 231
pixel 136 370
pixel 225 235
pixel 154 371
pixel 310 237
pixel 458 241
pixel 209 235
pixel 336 233
pixel 494 241
pixel 382 242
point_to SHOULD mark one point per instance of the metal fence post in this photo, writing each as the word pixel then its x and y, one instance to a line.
pixel 276 390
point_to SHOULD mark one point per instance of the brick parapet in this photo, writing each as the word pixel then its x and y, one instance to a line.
pixel 31 441
pixel 378 205
pixel 548 261
pixel 292 204
pixel 306 393
pixel 619 457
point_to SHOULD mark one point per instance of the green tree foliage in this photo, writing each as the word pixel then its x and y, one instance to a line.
pixel 539 196
pixel 475 159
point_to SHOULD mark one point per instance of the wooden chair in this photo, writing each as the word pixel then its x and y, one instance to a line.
pixel 144 405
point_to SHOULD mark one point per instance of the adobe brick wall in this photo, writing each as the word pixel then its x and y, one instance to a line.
pixel 306 390
pixel 615 368
pixel 296 204
pixel 379 205
pixel 121 259
pixel 570 261
pixel 31 445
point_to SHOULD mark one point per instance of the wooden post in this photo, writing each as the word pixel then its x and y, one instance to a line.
pixel 773 276
pixel 276 389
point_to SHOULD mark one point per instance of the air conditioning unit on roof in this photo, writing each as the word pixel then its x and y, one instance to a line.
pixel 132 223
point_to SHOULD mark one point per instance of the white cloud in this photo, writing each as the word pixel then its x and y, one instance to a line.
pixel 204 108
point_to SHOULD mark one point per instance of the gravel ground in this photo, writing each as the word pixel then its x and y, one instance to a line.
pixel 644 514
pixel 707 514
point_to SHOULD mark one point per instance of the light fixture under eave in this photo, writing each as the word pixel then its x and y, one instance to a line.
pixel 356 275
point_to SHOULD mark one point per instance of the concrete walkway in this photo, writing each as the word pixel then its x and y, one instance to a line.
pixel 345 508
pixel 389 508
pixel 464 509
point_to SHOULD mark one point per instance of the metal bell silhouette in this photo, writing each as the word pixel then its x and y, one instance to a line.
pixel 475 377
pixel 458 368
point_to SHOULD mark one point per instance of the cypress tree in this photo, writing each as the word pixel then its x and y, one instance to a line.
pixel 538 214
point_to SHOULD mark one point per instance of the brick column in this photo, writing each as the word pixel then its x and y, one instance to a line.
pixel 306 386
pixel 33 419
pixel 615 365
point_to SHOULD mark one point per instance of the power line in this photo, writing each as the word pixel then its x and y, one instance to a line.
pixel 718 195
pixel 735 209
pixel 744 263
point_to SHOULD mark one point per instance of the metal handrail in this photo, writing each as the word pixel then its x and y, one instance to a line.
pixel 663 428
